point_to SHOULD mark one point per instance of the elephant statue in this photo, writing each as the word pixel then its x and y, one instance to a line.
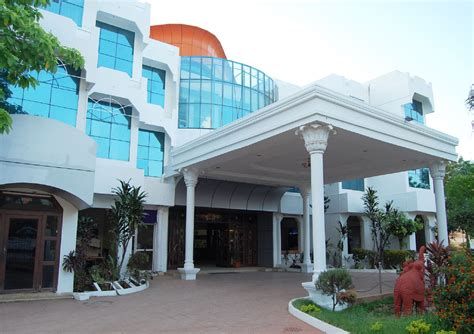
pixel 410 286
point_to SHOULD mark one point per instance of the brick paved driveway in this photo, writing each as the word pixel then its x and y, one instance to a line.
pixel 216 303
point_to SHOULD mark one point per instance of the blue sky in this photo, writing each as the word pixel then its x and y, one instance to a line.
pixel 302 41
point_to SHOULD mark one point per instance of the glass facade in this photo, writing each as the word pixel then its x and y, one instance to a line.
pixel 354 185
pixel 414 112
pixel 150 154
pixel 156 85
pixel 56 96
pixel 69 8
pixel 109 125
pixel 214 92
pixel 419 178
pixel 115 48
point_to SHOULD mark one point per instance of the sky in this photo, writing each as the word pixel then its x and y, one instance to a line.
pixel 301 41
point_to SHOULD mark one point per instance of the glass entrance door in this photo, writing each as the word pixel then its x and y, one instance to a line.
pixel 19 253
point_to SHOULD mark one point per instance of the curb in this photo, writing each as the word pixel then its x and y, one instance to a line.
pixel 312 321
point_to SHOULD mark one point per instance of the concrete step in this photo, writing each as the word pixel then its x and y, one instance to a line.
pixel 32 296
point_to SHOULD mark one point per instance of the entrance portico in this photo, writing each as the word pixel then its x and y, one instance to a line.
pixel 262 148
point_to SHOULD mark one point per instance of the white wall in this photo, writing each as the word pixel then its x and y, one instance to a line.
pixel 39 151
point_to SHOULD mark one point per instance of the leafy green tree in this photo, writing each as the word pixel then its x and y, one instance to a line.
pixel 379 222
pixel 26 47
pixel 460 197
pixel 127 214
pixel 400 226
pixel 333 283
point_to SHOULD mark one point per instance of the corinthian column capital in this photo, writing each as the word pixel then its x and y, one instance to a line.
pixel 315 136
pixel 438 169
pixel 191 175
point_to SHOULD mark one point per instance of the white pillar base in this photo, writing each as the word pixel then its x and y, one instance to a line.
pixel 188 274
pixel 307 267
pixel 319 298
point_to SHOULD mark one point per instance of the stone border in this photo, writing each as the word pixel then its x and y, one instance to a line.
pixel 316 323
pixel 118 291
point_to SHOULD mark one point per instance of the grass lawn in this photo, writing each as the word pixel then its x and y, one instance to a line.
pixel 359 318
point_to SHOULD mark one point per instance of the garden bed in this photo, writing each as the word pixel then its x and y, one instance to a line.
pixel 360 318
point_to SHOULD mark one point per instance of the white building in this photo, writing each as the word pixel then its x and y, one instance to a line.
pixel 213 146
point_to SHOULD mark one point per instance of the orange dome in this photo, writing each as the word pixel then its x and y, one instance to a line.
pixel 191 40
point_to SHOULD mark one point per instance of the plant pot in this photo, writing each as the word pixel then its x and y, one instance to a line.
pixel 237 264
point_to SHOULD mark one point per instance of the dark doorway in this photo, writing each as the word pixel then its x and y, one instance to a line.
pixel 222 238
pixel 420 234
pixel 289 235
pixel 30 228
pixel 354 235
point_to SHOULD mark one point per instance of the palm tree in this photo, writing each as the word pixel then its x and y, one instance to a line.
pixel 127 213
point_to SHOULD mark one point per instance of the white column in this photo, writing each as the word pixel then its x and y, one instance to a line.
pixel 430 223
pixel 437 171
pixel 316 139
pixel 160 240
pixel 367 241
pixel 188 272
pixel 277 218
pixel 307 266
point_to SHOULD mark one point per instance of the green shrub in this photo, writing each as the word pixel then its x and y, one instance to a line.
pixel 107 271
pixel 333 282
pixel 445 332
pixel 376 327
pixel 309 308
pixel 137 266
pixel 391 258
pixel 418 327
pixel 361 255
pixel 396 258
pixel 454 301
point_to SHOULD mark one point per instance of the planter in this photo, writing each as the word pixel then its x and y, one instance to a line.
pixel 125 287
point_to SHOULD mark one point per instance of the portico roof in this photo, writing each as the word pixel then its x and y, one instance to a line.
pixel 262 148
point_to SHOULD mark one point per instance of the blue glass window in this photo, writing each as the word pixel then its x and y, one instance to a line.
pixel 69 8
pixel 115 48
pixel 109 125
pixel 419 178
pixel 414 112
pixel 150 153
pixel 56 96
pixel 215 92
pixel 354 185
pixel 156 85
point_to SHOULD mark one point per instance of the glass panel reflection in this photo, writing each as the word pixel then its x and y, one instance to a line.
pixel 207 90
pixel 20 253
pixel 48 277
pixel 51 229
pixel 150 152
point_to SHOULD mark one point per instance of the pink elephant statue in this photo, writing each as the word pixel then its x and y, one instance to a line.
pixel 410 286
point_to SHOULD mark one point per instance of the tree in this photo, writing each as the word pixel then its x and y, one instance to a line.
pixel 333 283
pixel 127 214
pixel 400 226
pixel 379 222
pixel 460 197
pixel 470 99
pixel 26 47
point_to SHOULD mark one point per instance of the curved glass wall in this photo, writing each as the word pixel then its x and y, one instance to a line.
pixel 215 91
